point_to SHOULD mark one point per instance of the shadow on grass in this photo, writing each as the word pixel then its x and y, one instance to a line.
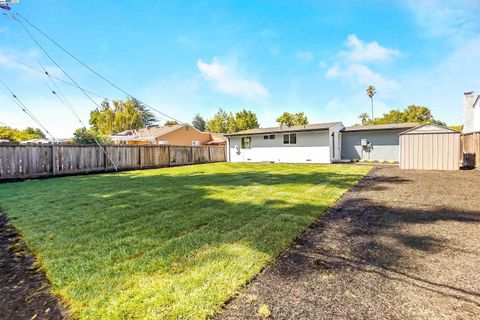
pixel 119 241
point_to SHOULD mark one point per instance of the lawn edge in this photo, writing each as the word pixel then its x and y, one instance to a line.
pixel 291 245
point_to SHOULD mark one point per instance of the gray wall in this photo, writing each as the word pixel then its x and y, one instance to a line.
pixel 386 145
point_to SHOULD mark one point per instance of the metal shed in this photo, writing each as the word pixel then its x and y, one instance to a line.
pixel 430 147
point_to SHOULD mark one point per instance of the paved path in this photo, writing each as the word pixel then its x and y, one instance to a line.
pixel 400 245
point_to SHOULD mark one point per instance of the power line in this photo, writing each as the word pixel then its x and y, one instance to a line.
pixel 24 108
pixel 54 62
pixel 63 99
pixel 89 68
pixel 54 77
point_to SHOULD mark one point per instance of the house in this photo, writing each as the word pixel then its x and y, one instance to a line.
pixel 311 143
pixel 471 106
pixel 4 141
pixel 36 141
pixel 180 134
pixel 373 142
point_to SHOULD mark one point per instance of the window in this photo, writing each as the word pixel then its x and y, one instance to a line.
pixel 269 137
pixel 162 142
pixel 265 137
pixel 272 137
pixel 290 138
pixel 246 143
pixel 195 143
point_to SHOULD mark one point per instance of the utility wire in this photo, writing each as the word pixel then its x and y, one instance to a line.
pixel 54 62
pixel 63 99
pixel 25 109
pixel 89 68
pixel 54 77
pixel 71 79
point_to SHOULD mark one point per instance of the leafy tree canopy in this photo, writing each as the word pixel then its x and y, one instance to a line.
pixel 198 122
pixel 123 115
pixel 412 113
pixel 245 120
pixel 224 122
pixel 84 136
pixel 16 135
pixel 292 119
pixel 171 123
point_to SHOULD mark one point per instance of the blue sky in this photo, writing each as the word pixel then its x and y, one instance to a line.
pixel 267 56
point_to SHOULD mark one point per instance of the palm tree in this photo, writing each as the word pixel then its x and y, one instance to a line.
pixel 371 92
pixel 364 116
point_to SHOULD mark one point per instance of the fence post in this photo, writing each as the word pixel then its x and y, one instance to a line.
pixel 168 154
pixel 140 157
pixel 209 154
pixel 54 160
pixel 105 158
pixel 192 160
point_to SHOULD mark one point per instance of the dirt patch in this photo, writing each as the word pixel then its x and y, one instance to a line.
pixel 399 245
pixel 24 290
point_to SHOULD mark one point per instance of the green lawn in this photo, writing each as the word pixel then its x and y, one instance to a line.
pixel 167 243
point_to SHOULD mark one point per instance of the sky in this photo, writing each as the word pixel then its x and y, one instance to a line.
pixel 189 57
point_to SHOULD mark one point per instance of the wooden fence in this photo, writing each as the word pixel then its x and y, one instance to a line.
pixel 471 149
pixel 33 161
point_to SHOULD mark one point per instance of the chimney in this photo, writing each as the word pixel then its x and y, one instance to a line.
pixel 468 100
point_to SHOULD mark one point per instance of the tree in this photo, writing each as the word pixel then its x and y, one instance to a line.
pixel 198 122
pixel 245 120
pixel 84 136
pixel 364 117
pixel 16 135
pixel 371 92
pixel 124 115
pixel 288 119
pixel 147 116
pixel 219 122
pixel 412 113
pixel 300 119
pixel 224 122
pixel 171 122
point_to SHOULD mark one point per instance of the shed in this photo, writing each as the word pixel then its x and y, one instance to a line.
pixel 430 147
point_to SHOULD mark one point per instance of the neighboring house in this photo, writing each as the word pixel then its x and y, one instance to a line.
pixel 471 106
pixel 373 142
pixel 180 134
pixel 37 141
pixel 312 143
pixel 4 141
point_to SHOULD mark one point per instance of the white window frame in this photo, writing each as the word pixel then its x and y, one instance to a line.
pixel 242 144
pixel 289 135
pixel 195 143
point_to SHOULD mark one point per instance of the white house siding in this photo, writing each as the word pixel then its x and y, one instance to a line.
pixel 311 147
pixel 476 118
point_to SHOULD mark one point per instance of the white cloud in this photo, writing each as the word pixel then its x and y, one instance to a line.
pixel 333 72
pixel 304 56
pixel 225 78
pixel 351 65
pixel 440 18
pixel 362 52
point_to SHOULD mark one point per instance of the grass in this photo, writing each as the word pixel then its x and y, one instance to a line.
pixel 167 243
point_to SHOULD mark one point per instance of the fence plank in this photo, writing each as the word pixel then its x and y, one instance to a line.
pixel 471 149
pixel 32 161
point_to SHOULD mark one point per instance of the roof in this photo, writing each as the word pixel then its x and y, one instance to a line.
pixel 149 133
pixel 308 127
pixel 217 138
pixel 391 126
pixel 38 140
pixel 430 128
